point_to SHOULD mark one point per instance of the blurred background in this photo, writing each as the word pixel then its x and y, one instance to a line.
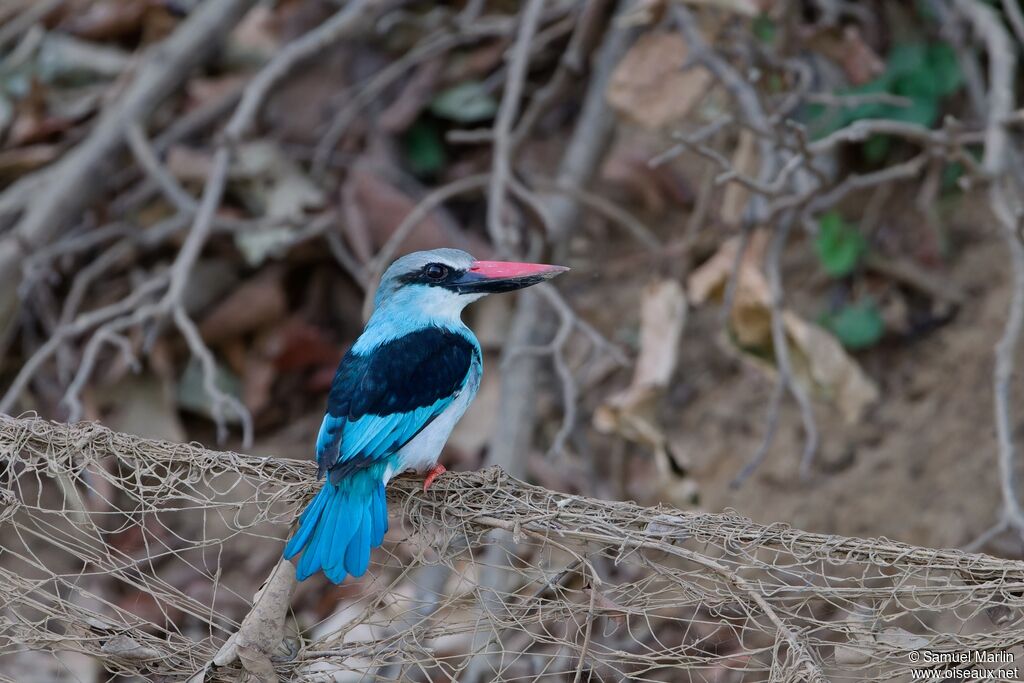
pixel 791 228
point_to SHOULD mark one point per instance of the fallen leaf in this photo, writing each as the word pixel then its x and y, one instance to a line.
pixel 606 606
pixel 385 206
pixel 642 13
pixel 280 189
pixel 469 102
pixel 256 34
pixel 107 19
pixel 745 7
pixel 298 345
pixel 143 405
pixel 6 114
pixel 15 163
pixel 415 95
pixel 847 47
pixel 256 303
pixel 192 394
pixel 259 245
pixel 819 361
pixel 650 87
pixel 736 196
pixel 66 59
pixel 188 164
pixel 124 647
pixel 258 378
pixel 632 413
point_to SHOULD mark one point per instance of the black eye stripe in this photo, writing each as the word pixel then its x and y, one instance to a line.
pixel 423 276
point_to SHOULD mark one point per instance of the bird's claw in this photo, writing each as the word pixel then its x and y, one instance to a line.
pixel 433 474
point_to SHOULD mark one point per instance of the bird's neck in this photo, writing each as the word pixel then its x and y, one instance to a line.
pixel 394 319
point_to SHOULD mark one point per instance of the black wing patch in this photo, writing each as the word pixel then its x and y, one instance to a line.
pixel 413 371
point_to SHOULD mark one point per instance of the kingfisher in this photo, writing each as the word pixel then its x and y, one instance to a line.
pixel 395 398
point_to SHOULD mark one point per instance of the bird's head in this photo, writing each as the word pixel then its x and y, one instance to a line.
pixel 442 281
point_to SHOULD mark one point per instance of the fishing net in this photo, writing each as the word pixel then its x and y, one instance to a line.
pixel 122 556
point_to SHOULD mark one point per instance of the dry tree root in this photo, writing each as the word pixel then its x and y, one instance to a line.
pixel 262 630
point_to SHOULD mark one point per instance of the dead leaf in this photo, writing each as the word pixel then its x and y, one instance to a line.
pixel 257 33
pixel 142 405
pixel 414 96
pixel 298 345
pixel 736 196
pixel 606 606
pixel 847 47
pixel 820 363
pixel 106 20
pixel 192 394
pixel 280 189
pixel 654 188
pixel 188 164
pixel 256 303
pixel 642 13
pixel 67 59
pixel 650 87
pixel 748 8
pixel 258 378
pixel 385 206
pixel 15 163
pixel 203 91
pixel 125 647
pixel 632 413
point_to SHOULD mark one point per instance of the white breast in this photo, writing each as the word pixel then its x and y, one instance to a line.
pixel 421 453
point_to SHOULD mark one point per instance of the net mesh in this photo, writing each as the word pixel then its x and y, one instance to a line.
pixel 144 556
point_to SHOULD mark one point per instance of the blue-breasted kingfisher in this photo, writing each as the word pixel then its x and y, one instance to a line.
pixel 395 398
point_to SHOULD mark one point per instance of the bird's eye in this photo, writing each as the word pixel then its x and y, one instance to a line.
pixel 435 271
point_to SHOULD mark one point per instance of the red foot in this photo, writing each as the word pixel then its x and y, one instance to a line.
pixel 437 470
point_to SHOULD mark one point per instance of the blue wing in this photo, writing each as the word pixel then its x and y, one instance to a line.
pixel 379 401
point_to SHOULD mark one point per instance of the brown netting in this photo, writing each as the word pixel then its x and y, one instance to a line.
pixel 145 555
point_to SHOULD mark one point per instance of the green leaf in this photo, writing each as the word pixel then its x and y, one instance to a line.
pixel 876 148
pixel 923 110
pixel 857 325
pixel 839 245
pixel 935 74
pixel 193 396
pixel 468 102
pixel 424 149
pixel 906 59
pixel 951 174
pixel 764 29
pixel 945 68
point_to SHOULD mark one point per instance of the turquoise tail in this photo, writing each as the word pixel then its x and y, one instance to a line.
pixel 340 526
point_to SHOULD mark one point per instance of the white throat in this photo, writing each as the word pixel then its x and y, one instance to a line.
pixel 411 308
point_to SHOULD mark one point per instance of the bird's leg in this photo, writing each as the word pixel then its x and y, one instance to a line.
pixel 432 474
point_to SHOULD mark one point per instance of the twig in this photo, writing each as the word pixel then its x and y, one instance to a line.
pixel 15 28
pixel 501 165
pixel 1013 13
pixel 513 434
pixel 146 157
pixel 76 177
pixel 1005 352
pixel 997 153
pixel 428 49
pixel 571 65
